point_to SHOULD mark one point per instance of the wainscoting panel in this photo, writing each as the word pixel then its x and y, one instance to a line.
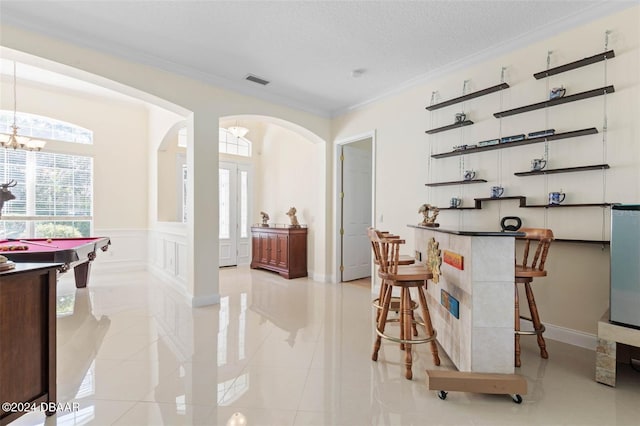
pixel 127 252
pixel 168 254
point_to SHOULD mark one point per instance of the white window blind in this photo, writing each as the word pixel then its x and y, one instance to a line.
pixel 63 185
pixel 54 194
pixel 13 166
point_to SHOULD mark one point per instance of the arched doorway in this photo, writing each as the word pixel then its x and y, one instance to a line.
pixel 286 168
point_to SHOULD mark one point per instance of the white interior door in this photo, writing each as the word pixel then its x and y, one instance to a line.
pixel 234 181
pixel 356 210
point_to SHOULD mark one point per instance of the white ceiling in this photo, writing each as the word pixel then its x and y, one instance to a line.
pixel 306 49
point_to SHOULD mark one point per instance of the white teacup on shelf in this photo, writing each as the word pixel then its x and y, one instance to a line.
pixel 538 164
pixel 555 198
pixel 497 191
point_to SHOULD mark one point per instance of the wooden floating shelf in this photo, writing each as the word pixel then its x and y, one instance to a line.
pixel 457 208
pixel 577 64
pixel 557 206
pixel 557 136
pixel 477 94
pixel 457 182
pixel 522 199
pixel 563 170
pixel 570 240
pixel 449 127
pixel 523 203
pixel 553 102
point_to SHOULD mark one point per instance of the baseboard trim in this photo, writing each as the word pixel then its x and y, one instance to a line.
pixel 318 277
pixel 179 287
pixel 209 299
pixel 171 281
pixel 118 266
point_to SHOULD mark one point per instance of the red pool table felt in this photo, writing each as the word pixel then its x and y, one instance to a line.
pixel 72 252
pixel 57 244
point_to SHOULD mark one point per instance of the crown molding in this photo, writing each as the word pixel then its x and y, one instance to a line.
pixel 134 56
pixel 597 11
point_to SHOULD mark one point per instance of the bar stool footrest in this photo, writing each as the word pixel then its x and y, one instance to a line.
pixel 406 341
pixel 530 332
pixel 394 305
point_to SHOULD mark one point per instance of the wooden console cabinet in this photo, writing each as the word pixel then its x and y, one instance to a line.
pixel 282 249
pixel 27 337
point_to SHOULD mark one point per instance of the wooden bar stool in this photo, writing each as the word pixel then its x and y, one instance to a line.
pixel 525 273
pixel 403 260
pixel 405 277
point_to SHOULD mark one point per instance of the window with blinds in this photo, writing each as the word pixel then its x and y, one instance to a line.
pixel 63 185
pixel 54 194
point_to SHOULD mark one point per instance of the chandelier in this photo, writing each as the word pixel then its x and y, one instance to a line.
pixel 237 131
pixel 13 139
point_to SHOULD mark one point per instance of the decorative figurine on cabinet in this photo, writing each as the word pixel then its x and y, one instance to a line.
pixel 429 213
pixel 265 218
pixel 292 215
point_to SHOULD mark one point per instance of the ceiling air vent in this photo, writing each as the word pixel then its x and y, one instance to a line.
pixel 256 79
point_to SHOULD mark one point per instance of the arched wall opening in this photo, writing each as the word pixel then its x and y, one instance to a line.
pixel 289 170
pixel 171 164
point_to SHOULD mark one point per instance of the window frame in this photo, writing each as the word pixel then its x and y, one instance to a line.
pixel 31 168
pixel 227 139
pixel 25 122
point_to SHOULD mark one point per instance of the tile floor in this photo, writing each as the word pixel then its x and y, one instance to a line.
pixel 285 352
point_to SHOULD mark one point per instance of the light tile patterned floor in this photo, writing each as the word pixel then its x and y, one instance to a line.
pixel 285 352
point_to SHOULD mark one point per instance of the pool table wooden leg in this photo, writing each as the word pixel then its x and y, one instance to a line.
pixel 81 272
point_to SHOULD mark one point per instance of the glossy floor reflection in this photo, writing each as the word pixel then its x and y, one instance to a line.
pixel 285 352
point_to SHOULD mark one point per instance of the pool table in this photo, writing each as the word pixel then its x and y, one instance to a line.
pixel 71 252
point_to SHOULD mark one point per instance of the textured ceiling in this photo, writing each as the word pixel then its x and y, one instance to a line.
pixel 307 49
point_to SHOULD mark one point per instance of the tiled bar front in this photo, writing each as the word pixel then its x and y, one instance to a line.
pixel 482 338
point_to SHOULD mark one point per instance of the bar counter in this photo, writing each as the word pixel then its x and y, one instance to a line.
pixel 476 283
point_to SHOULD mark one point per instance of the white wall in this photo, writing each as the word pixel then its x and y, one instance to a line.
pixel 575 294
pixel 291 175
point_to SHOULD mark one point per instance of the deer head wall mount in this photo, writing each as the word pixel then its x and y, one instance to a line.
pixel 5 193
